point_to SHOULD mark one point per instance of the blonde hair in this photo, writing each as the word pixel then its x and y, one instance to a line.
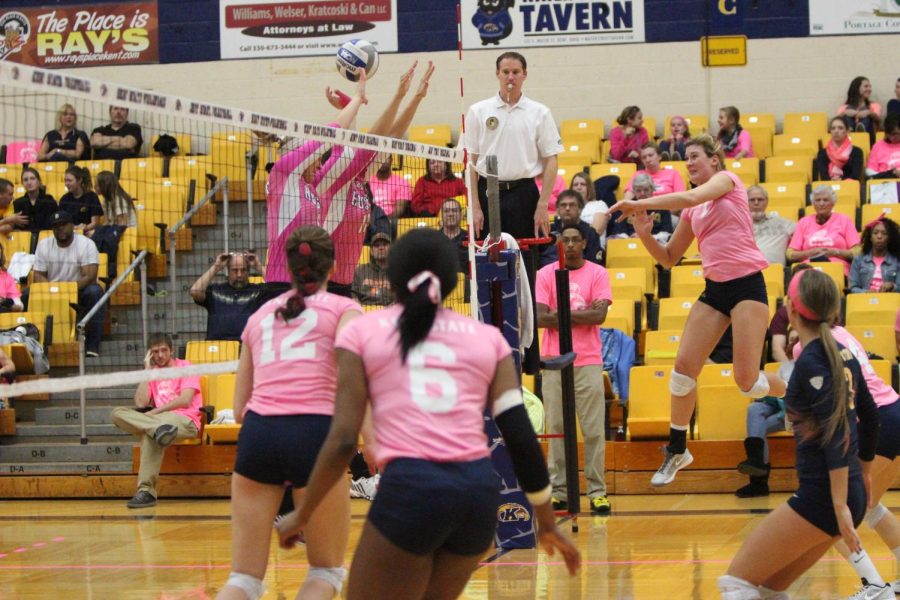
pixel 61 112
pixel 591 194
pixel 710 147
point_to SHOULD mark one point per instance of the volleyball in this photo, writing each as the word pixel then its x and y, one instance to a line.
pixel 355 55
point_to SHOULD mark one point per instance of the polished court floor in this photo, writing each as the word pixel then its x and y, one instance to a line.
pixel 670 547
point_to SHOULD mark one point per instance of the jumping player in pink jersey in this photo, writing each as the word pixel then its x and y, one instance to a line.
pixel 284 396
pixel 716 213
pixel 427 374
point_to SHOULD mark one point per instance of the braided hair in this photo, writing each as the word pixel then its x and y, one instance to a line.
pixel 310 256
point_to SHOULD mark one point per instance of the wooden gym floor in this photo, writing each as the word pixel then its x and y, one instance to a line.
pixel 671 547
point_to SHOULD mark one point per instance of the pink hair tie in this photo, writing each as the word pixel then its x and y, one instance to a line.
pixel 794 295
pixel 874 222
pixel 434 285
pixel 304 249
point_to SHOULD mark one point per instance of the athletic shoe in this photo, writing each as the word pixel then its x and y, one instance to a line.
pixel 873 592
pixel 92 354
pixel 558 504
pixel 671 465
pixel 143 499
pixel 165 435
pixel 364 487
pixel 600 505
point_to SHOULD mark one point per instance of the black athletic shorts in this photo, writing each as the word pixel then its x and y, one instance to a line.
pixel 812 501
pixel 424 506
pixel 889 432
pixel 279 449
pixel 725 295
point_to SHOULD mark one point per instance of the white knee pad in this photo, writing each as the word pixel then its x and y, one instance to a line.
pixel 681 385
pixel 767 594
pixel 333 576
pixel 760 389
pixel 734 588
pixel 252 587
pixel 875 515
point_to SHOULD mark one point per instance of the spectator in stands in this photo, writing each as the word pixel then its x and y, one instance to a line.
pixel 370 282
pixel 438 184
pixel 69 257
pixel 839 159
pixel 118 205
pixel 164 411
pixel 10 218
pixel 771 232
pixel 643 187
pixel 568 214
pixel 595 212
pixel 825 235
pixel 558 186
pixel 66 142
pixel 37 206
pixel 10 295
pixel 118 140
pixel 591 296
pixel 884 159
pixel 228 305
pixel 665 181
pixel 629 137
pixel 672 148
pixel 877 268
pixel 81 202
pixel 390 191
pixel 893 105
pixel 859 112
pixel 451 217
pixel 735 142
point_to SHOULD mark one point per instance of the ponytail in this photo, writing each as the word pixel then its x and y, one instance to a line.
pixel 839 387
pixel 310 256
pixel 83 175
pixel 419 310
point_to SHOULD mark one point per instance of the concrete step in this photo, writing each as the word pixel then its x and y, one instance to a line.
pixel 68 415
pixel 7 468
pixel 97 395
pixel 33 430
pixel 69 451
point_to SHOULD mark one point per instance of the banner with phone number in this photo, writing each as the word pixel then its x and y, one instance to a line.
pixel 88 35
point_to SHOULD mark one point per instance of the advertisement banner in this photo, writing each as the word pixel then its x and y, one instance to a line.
pixel 845 17
pixel 88 35
pixel 532 24
pixel 266 29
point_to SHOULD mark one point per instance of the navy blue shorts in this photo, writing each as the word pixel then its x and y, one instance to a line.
pixel 812 501
pixel 889 433
pixel 279 449
pixel 423 506
pixel 725 295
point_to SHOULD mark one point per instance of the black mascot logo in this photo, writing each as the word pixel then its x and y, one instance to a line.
pixel 493 21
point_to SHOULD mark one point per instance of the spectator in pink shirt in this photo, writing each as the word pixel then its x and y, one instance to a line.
pixel 884 159
pixel 665 181
pixel 736 142
pixel 390 191
pixel 10 295
pixel 629 137
pixel 825 235
pixel 438 184
pixel 858 110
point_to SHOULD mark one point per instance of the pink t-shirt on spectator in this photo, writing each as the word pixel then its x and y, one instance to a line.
pixel 837 232
pixel 431 407
pixel 386 192
pixel 558 186
pixel 294 371
pixel 882 393
pixel 884 157
pixel 666 181
pixel 620 145
pixel 164 391
pixel 744 144
pixel 724 232
pixel 589 283
pixel 8 287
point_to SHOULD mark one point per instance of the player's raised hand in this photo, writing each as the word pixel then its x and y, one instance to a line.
pixel 406 80
pixel 422 91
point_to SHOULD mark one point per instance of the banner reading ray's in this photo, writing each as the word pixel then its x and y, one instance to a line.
pixel 88 35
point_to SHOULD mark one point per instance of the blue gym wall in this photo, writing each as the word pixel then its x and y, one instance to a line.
pixel 189 29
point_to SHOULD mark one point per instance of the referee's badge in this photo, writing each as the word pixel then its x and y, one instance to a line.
pixel 492 123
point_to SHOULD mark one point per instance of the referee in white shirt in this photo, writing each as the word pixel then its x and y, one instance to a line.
pixel 524 137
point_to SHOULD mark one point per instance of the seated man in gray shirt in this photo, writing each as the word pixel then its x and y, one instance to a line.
pixel 772 233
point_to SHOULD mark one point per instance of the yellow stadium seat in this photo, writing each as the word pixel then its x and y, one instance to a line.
pixel 774 276
pixel 364 255
pixel 721 412
pixel 786 193
pixel 183 140
pixel 661 347
pixel 687 281
pixel 628 295
pixel 620 277
pixel 833 270
pixel 566 169
pixel 212 351
pixel 625 171
pixel 220 395
pixel 593 127
pixel 789 168
pixel 16 241
pixel 228 158
pixel 799 123
pixel 761 120
pixel 97 166
pixel 458 295
pixel 38 319
pixel 630 252
pixel 846 192
pixel 436 135
pixel 795 145
pixel 11 173
pixel 622 315
pixel 581 146
pixel 127 245
pixel 681 167
pixel 54 298
pixel 51 171
pixel 150 167
pixel 650 125
pixel 692 254
pixel 872 308
pixel 617 322
pixel 870 212
pixel 877 339
pixel 745 168
pixel 190 167
pixel 761 140
pixel 235 137
pixel 407 224
pixel 649 402
pixel 883 369
pixel 673 312
pixel 844 209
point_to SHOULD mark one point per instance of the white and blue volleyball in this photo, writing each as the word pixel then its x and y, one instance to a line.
pixel 355 55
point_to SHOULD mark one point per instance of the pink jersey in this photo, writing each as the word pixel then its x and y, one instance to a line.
pixel 387 192
pixel 884 157
pixel 744 144
pixel 294 372
pixel 432 407
pixel 882 393
pixel 589 283
pixel 8 286
pixel 837 232
pixel 164 391
pixel 665 181
pixel 724 231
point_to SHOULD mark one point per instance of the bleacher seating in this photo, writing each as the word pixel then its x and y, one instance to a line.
pixel 673 312
pixel 872 308
pixel 799 123
pixel 219 394
pixel 649 402
pixel 877 339
pixel 55 298
pixel 212 351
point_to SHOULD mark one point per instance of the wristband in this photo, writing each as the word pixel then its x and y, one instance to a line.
pixel 344 98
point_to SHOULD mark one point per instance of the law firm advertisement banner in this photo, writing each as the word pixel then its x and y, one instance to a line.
pixel 846 17
pixel 542 23
pixel 88 35
pixel 267 29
